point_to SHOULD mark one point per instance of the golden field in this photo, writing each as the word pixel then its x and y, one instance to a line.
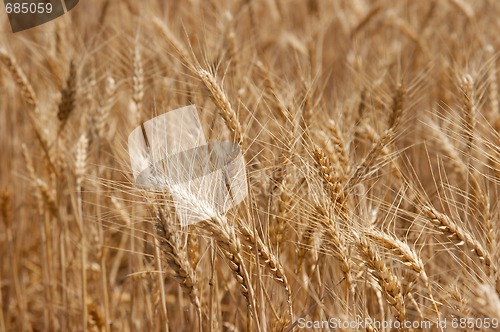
pixel 370 132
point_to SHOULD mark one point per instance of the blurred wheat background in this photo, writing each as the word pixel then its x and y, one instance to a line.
pixel 371 134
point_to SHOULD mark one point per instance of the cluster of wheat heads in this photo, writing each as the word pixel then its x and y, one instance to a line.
pixel 370 131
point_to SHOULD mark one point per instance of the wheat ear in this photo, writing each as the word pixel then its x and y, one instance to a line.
pixel 340 150
pixel 453 231
pixel 20 79
pixel 226 110
pixel 279 189
pixel 225 238
pixel 385 139
pixel 137 85
pixel 177 259
pixel 105 107
pixel 331 181
pixel 81 158
pixel 271 262
pixel 469 117
pixel 385 278
pixel 408 256
pixel 337 241
pixel 68 96
pixel 230 246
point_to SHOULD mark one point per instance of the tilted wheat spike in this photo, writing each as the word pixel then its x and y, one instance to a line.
pixel 389 283
pixel 408 256
pixel 176 258
pixel 461 236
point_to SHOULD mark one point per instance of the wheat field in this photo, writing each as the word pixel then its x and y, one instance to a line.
pixel 370 133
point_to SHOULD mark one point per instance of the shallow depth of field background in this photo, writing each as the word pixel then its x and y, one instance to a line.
pixel 371 134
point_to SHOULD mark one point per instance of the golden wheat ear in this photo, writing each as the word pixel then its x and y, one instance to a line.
pixel 176 258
